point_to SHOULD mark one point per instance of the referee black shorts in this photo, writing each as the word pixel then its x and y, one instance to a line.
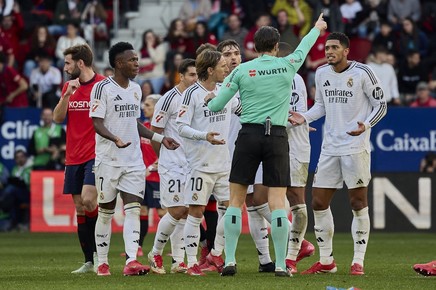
pixel 253 147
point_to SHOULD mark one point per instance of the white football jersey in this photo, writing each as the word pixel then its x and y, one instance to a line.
pixel 120 108
pixel 298 136
pixel 165 114
pixel 193 113
pixel 354 95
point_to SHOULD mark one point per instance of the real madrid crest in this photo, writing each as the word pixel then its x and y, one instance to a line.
pixel 136 96
pixel 350 82
pixel 101 196
pixel 176 198
pixel 195 197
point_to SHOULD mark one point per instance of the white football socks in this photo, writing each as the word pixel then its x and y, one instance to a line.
pixel 259 233
pixel 192 238
pixel 131 230
pixel 165 228
pixel 297 230
pixel 218 245
pixel 264 211
pixel 178 242
pixel 324 231
pixel 103 231
pixel 360 228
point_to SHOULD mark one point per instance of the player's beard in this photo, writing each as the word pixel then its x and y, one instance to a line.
pixel 75 73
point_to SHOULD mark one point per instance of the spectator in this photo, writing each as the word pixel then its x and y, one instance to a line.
pixel 147 89
pixel 428 23
pixel 203 35
pixel 152 59
pixel 45 82
pixel 179 40
pixel 299 14
pixel 16 195
pixel 411 38
pixel 66 12
pixel 349 9
pixel 172 75
pixel 6 48
pixel 108 71
pixel 331 13
pixel 70 39
pixel 193 11
pixel 40 42
pixel 12 26
pixel 59 159
pixel 367 21
pixel 263 19
pixel 410 73
pixel 6 7
pixel 251 9
pixel 235 31
pixel 399 10
pixel 221 9
pixel 286 30
pixel 385 37
pixel 44 146
pixel 428 163
pixel 387 75
pixel 12 86
pixel 94 22
pixel 423 98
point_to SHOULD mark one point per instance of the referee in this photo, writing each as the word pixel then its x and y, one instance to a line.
pixel 264 86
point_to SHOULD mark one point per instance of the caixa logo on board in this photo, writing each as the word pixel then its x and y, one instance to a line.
pixel 387 140
pixel 79 105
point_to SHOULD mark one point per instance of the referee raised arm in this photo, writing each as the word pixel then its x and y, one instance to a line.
pixel 264 86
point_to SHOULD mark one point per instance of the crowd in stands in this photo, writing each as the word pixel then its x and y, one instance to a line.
pixel 397 38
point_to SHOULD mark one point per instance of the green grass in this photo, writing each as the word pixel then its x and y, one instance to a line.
pixel 44 261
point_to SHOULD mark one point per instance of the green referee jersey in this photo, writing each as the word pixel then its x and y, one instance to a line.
pixel 264 85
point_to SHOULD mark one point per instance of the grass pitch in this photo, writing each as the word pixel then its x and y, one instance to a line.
pixel 44 261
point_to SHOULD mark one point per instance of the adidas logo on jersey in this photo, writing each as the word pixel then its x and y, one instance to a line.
pixel 118 98
pixel 359 182
pixel 326 84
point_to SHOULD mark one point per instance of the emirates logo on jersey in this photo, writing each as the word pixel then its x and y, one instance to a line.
pixel 252 72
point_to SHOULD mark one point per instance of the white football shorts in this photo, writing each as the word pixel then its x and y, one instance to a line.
pixel 333 171
pixel 299 172
pixel 110 180
pixel 172 187
pixel 200 186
